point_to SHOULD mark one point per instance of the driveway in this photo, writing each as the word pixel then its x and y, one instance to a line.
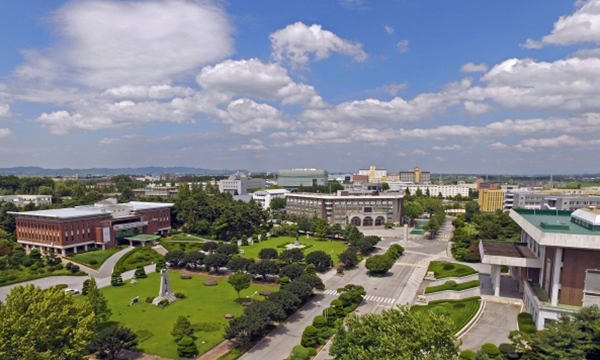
pixel 494 325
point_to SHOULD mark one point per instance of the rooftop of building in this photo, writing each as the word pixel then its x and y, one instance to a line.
pixel 559 221
pixel 336 196
pixel 272 191
pixel 97 209
pixel 514 250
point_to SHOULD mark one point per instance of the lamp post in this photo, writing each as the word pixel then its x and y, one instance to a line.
pixel 252 297
pixel 331 257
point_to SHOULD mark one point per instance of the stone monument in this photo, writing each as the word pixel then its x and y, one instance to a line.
pixel 295 245
pixel 165 289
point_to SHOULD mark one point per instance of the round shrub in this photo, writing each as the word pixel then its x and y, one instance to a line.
pixel 27 262
pixel 507 348
pixel 74 269
pixel 69 265
pixel 440 311
pixel 448 266
pixel 312 351
pixel 490 349
pixel 467 355
pixel 59 267
pixel 337 303
pixel 179 295
pixel 93 262
pixel 319 321
pixel 138 256
pixel 34 267
pixel 149 299
pixel 299 352
pixel 529 329
pixel 41 271
pixel 50 268
pixel 450 283
pixel 163 302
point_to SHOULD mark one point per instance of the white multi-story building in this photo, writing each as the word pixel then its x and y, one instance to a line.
pixel 22 200
pixel 434 190
pixel 374 174
pixel 240 183
pixel 264 197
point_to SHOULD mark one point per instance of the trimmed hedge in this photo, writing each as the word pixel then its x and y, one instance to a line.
pixel 526 323
pixel 467 355
pixel 452 285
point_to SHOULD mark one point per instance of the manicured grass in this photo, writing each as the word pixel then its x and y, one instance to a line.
pixel 573 185
pixel 205 307
pixel 185 246
pixel 179 237
pixel 312 244
pixel 459 311
pixel 100 256
pixel 444 269
pixel 131 261
pixel 457 287
pixel 13 276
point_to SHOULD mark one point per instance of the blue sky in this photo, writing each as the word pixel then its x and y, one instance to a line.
pixel 453 87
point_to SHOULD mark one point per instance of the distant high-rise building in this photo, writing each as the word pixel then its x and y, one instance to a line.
pixel 491 200
pixel 374 174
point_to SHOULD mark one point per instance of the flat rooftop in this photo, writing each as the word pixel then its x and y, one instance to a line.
pixel 90 210
pixel 508 250
pixel 554 221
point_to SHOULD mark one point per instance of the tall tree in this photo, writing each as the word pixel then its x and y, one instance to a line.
pixel 98 302
pixel 181 328
pixel 395 334
pixel 239 281
pixel 44 324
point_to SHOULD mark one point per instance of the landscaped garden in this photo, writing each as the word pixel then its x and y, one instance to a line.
pixel 204 307
pixel 444 269
pixel 185 246
pixel 95 258
pixel 452 285
pixel 459 311
pixel 311 244
pixel 140 256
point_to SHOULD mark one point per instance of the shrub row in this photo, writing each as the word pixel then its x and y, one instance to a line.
pixel 452 285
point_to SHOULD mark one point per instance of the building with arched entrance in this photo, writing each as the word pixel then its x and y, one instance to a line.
pixel 346 208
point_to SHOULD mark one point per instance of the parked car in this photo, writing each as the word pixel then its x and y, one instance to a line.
pixel 71 291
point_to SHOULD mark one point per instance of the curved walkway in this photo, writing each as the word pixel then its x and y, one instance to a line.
pixel 496 322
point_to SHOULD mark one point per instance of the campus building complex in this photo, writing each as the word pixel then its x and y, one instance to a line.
pixel 22 200
pixel 557 263
pixel 292 179
pixel 101 225
pixel 374 174
pixel 164 192
pixel 359 210
pixel 415 176
pixel 264 197
pixel 239 184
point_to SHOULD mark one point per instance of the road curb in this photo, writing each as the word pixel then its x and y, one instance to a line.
pixel 472 322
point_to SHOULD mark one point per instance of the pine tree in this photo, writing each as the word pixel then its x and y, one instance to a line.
pixel 98 302
pixel 182 328
pixel 140 273
pixel 187 348
pixel 116 279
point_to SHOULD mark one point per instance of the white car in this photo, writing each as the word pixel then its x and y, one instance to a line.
pixel 72 291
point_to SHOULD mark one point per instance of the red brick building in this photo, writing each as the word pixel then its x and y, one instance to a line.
pixel 102 225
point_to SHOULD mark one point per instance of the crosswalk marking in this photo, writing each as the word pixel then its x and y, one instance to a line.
pixel 379 299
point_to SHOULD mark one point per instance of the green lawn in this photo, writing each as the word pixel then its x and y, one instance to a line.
pixel 459 311
pixel 457 287
pixel 573 185
pixel 140 256
pixel 312 244
pixel 100 256
pixel 185 246
pixel 444 269
pixel 179 237
pixel 205 307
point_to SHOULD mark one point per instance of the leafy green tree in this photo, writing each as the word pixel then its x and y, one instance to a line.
pixel 300 289
pixel 352 235
pixel 112 340
pixel 366 244
pixel 116 279
pixel 385 186
pixel 319 259
pixel 194 257
pixel 321 232
pixel 268 254
pixel 140 273
pixel 239 281
pixel 379 264
pixel 289 256
pixel 228 249
pixel 181 328
pixel 310 269
pixel 265 310
pixel 244 328
pixel 292 271
pixel 209 246
pixel 238 264
pixel 312 280
pixel 264 268
pixel 277 203
pixel 186 347
pixel 336 230
pixel 216 261
pixel 287 300
pixel 348 257
pixel 471 209
pixel 175 256
pixel 413 210
pixel 44 324
pixel 98 302
pixel 395 334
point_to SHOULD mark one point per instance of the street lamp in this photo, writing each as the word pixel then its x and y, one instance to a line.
pixel 331 257
pixel 252 296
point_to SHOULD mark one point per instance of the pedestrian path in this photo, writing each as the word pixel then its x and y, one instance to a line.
pixel 381 299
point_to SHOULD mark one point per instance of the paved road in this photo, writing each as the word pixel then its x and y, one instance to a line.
pixel 382 293
pixel 102 276
pixel 446 230
pixel 496 322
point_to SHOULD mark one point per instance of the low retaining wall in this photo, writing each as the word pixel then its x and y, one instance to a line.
pixel 451 294
pixel 459 280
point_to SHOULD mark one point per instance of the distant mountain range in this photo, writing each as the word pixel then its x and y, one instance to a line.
pixel 35 170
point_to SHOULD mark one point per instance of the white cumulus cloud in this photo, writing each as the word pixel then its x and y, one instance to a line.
pixel 296 42
pixel 472 67
pixel 402 45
